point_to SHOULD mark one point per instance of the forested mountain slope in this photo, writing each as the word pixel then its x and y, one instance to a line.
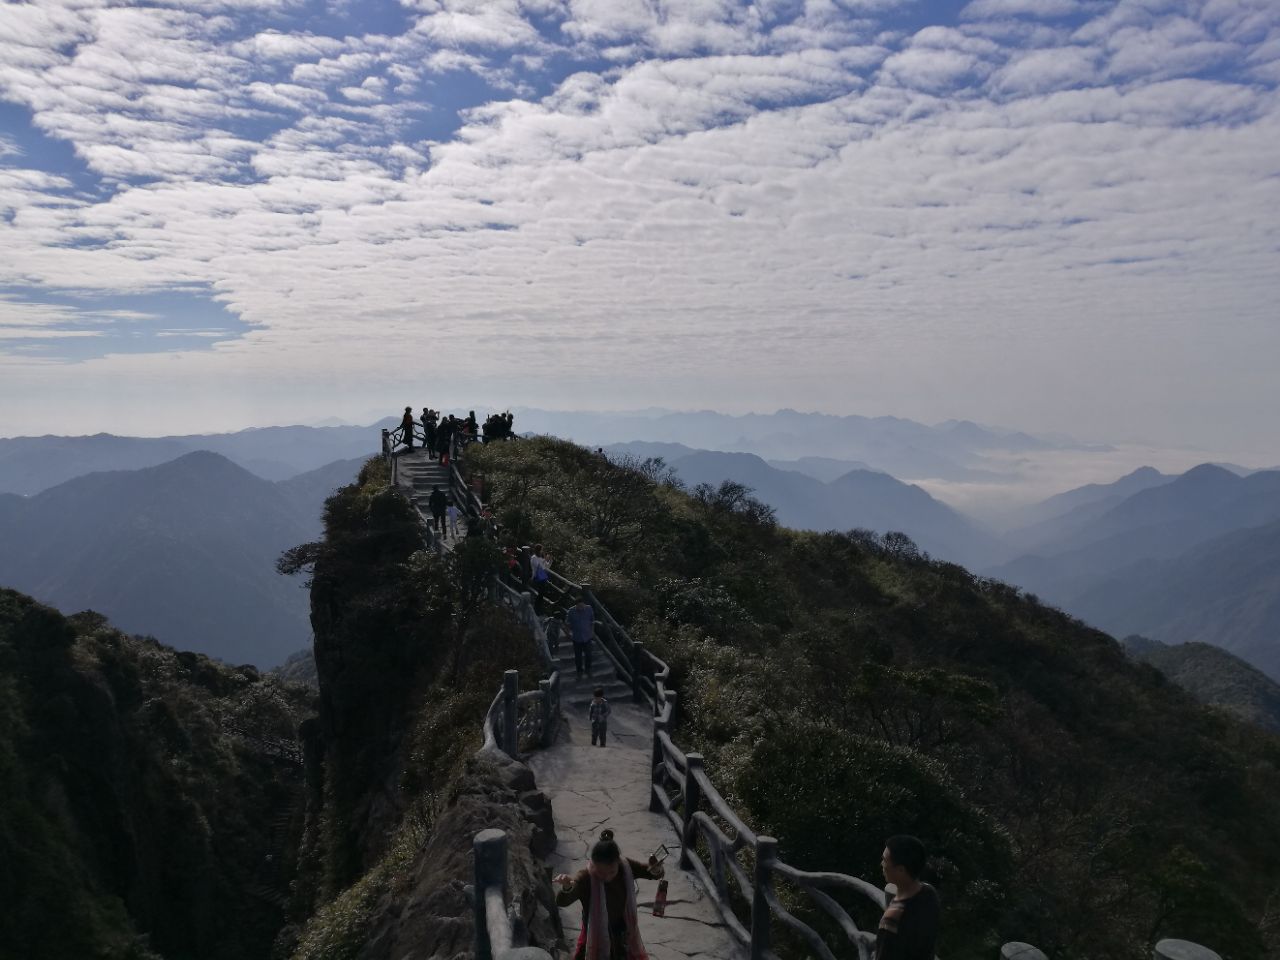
pixel 135 822
pixel 844 689
pixel 1213 677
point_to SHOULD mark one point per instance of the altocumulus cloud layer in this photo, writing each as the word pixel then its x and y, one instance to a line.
pixel 1054 213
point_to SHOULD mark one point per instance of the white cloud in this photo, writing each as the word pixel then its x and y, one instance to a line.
pixel 931 69
pixel 1039 71
pixel 744 193
pixel 273 45
pixel 983 9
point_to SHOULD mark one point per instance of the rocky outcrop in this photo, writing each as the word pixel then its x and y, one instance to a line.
pixel 429 915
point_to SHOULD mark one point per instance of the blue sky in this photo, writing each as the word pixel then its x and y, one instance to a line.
pixel 1054 214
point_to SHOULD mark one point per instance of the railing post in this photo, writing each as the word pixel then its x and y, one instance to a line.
pixel 555 693
pixel 1021 951
pixel 692 798
pixel 637 658
pixel 655 806
pixel 510 710
pixel 673 699
pixel 1183 950
pixel 548 728
pixel 490 848
pixel 766 857
pixel 386 443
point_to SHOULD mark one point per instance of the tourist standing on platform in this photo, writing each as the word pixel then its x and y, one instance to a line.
pixel 444 437
pixel 429 432
pixel 438 502
pixel 406 428
pixel 582 628
pixel 607 891
pixel 909 927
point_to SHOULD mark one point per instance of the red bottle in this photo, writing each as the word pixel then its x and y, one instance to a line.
pixel 660 901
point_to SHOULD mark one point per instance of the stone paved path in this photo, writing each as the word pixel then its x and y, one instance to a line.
pixel 418 473
pixel 592 788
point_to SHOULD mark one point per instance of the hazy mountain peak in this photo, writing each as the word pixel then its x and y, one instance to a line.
pixel 1143 473
pixel 1207 473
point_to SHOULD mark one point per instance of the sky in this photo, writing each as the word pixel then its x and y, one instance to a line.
pixel 1054 215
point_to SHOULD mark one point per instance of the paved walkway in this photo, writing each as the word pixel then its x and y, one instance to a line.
pixel 592 788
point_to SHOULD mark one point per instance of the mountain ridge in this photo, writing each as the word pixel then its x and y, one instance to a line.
pixel 184 550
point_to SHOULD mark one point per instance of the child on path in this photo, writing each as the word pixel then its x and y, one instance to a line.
pixel 599 713
pixel 607 892
pixel 452 511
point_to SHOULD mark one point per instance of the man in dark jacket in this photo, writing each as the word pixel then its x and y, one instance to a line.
pixel 909 927
pixel 582 627
pixel 438 503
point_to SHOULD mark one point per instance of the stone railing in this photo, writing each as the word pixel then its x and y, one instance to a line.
pixel 512 718
pixel 499 933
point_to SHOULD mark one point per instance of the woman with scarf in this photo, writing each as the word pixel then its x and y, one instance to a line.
pixel 607 891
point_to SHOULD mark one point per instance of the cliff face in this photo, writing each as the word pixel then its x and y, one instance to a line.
pixel 135 818
pixel 376 639
pixel 429 914
pixel 408 658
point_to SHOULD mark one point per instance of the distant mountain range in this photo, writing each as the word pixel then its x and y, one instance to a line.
pixel 856 498
pixel 1196 557
pixel 1051 519
pixel 184 551
pixel 957 450
pixel 31 464
pixel 1225 591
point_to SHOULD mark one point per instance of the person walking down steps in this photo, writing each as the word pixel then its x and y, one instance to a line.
pixel 599 714
pixel 607 891
pixel 582 626
pixel 437 501
pixel 452 512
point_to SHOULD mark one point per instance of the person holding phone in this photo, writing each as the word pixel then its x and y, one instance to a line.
pixel 607 891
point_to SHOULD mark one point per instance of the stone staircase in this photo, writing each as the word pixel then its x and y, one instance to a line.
pixel 418 475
